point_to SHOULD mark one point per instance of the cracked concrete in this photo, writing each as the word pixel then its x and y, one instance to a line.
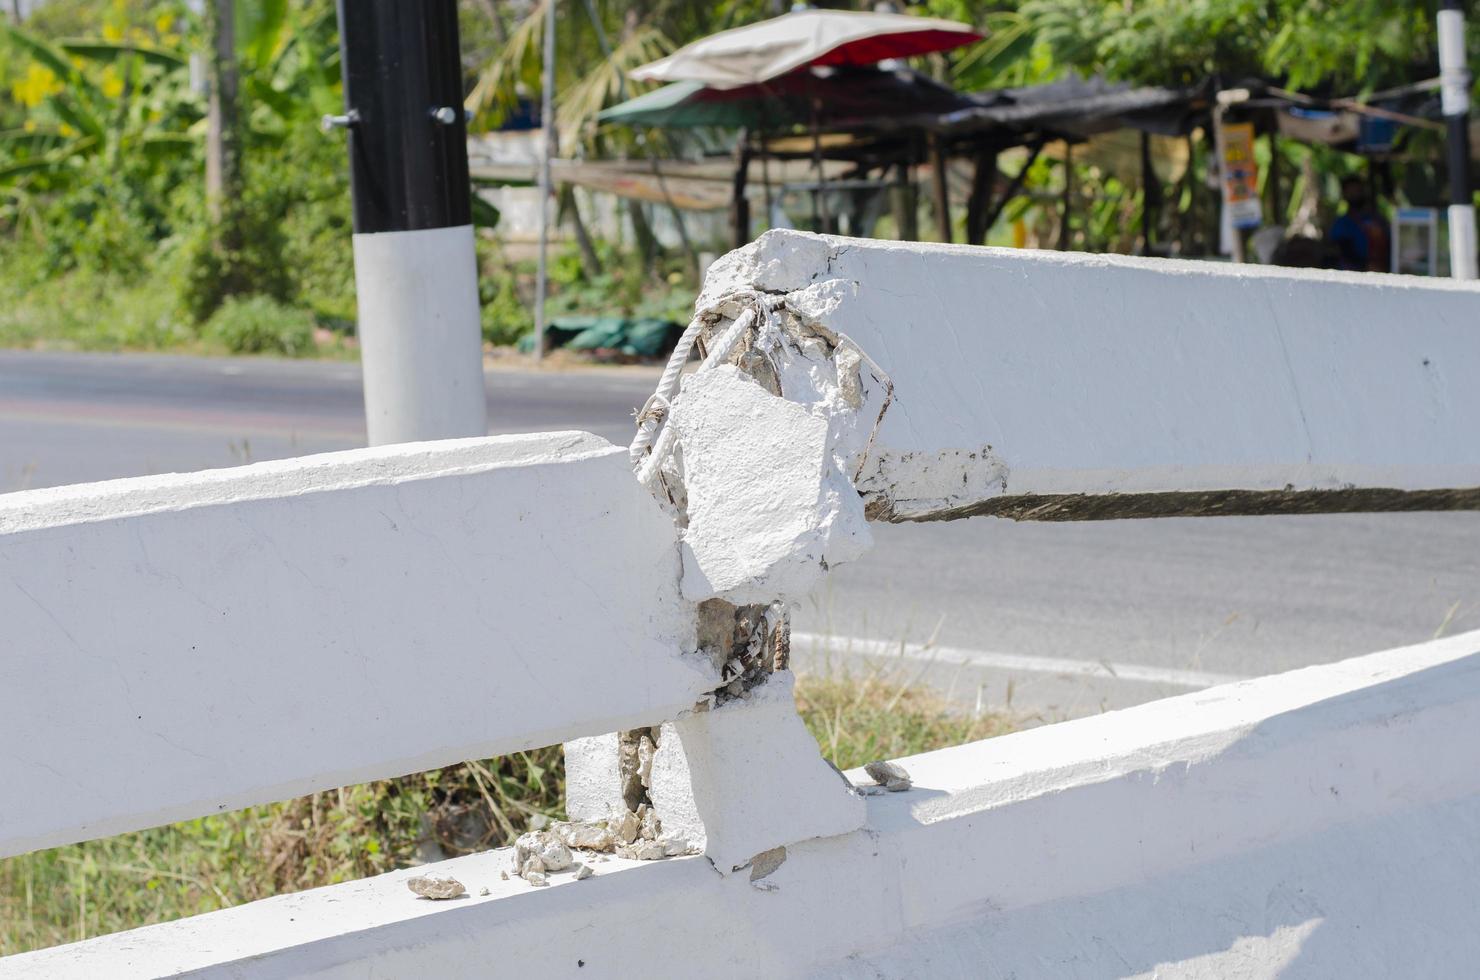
pixel 1056 386
pixel 901 382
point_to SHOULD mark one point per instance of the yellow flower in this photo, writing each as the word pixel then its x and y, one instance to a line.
pixel 112 32
pixel 39 82
pixel 29 125
pixel 163 23
pixel 67 131
pixel 112 83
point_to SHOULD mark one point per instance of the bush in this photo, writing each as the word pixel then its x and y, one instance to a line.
pixel 504 315
pixel 83 309
pixel 261 325
pixel 243 258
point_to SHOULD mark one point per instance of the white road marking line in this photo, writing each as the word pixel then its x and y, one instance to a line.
pixel 1192 679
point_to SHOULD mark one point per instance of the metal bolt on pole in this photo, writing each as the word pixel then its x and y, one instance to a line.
pixel 416 272
pixel 547 125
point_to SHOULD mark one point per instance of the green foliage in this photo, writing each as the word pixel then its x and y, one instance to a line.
pixel 84 309
pixel 261 325
pixel 89 108
pixel 1351 45
pixel 310 205
pixel 624 286
pixel 251 263
pixel 505 316
pixel 82 890
pixel 102 156
pixel 103 167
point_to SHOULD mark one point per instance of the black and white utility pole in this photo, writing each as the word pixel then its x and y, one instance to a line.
pixel 416 274
pixel 1454 78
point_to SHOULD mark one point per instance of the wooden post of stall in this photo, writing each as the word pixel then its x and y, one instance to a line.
pixel 1272 182
pixel 1150 197
pixel 739 203
pixel 821 220
pixel 979 202
pixel 902 197
pixel 942 192
pixel 1068 195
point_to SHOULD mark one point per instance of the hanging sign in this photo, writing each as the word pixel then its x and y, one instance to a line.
pixel 1416 241
pixel 1241 176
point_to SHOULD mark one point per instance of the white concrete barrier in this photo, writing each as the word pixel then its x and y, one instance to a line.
pixel 1320 823
pixel 181 645
pixel 1050 386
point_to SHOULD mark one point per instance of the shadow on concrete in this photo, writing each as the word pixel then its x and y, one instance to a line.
pixel 1389 886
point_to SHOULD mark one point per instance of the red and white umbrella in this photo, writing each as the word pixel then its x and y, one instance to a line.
pixel 759 52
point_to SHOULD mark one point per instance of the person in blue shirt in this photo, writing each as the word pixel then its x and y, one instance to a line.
pixel 1361 233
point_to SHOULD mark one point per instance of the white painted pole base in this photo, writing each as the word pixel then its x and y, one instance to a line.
pixel 1462 242
pixel 420 340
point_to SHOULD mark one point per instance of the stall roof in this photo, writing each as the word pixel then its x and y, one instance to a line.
pixel 1078 107
pixel 842 98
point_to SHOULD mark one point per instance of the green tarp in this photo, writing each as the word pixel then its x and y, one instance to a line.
pixel 633 336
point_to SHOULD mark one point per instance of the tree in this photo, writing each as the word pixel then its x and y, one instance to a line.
pixel 1347 46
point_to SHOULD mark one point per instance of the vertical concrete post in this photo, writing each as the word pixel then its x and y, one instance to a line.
pixel 1454 75
pixel 416 275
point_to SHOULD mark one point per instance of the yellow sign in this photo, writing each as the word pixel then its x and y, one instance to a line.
pixel 1241 176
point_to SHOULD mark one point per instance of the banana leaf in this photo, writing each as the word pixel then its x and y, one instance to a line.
pixel 111 51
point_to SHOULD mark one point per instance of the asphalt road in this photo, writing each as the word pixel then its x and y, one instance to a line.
pixel 1053 619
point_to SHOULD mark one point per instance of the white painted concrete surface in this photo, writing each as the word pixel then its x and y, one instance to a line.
pixel 279 629
pixel 421 341
pixel 735 780
pixel 753 776
pixel 1321 823
pixel 1021 373
pixel 185 644
pixel 768 507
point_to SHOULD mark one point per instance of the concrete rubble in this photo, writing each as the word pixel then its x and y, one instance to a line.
pixel 890 775
pixel 625 826
pixel 438 887
pixel 541 850
pixel 636 836
pixel 580 835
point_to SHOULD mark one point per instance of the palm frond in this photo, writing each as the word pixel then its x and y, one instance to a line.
pixel 516 65
pixel 578 105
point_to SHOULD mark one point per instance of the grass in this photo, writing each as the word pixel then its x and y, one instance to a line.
pixel 81 890
pixel 95 312
pixel 857 720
